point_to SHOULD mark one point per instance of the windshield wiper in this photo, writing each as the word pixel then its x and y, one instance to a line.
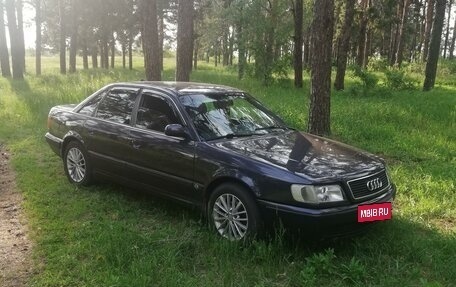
pixel 231 135
pixel 271 128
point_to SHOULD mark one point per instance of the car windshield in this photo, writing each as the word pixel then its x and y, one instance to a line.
pixel 228 115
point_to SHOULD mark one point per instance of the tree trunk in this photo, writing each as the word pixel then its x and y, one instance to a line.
pixel 62 46
pixel 85 54
pixel 428 28
pixel 161 36
pixel 38 37
pixel 94 53
pixel 124 55
pixel 195 55
pixel 225 47
pixel 242 61
pixel 434 46
pixel 231 49
pixel 184 40
pixel 298 25
pixel 113 52
pixel 74 36
pixel 130 52
pixel 362 33
pixel 321 44
pixel 422 26
pixel 104 53
pixel 150 41
pixel 307 49
pixel 4 54
pixel 400 39
pixel 268 58
pixel 447 33
pixel 20 30
pixel 16 52
pixel 344 45
pixel 453 39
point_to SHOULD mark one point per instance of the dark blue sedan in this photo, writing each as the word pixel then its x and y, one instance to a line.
pixel 218 148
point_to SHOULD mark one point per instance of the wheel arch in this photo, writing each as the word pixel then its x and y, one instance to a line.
pixel 69 137
pixel 244 182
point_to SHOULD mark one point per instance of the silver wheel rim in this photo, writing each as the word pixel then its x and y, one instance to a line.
pixel 230 217
pixel 76 164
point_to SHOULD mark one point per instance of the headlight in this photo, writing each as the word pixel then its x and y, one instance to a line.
pixel 317 194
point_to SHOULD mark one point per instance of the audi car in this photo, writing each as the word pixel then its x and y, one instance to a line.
pixel 219 149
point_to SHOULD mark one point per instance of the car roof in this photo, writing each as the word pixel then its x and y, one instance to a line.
pixel 182 88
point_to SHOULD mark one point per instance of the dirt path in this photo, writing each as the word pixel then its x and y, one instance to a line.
pixel 15 263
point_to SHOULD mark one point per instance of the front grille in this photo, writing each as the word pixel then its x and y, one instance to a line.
pixel 359 187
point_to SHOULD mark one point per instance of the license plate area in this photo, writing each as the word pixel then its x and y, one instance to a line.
pixel 374 212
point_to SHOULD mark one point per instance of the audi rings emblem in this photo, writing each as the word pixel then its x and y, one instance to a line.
pixel 374 184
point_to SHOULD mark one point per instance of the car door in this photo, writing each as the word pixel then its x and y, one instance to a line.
pixel 162 162
pixel 107 136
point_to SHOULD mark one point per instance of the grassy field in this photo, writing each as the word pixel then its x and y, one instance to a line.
pixel 106 235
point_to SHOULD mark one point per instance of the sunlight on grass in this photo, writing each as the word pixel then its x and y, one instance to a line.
pixel 107 235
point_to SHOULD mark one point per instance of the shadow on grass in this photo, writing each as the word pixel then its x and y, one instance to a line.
pixel 390 248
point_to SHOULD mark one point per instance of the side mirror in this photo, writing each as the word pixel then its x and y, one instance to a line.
pixel 176 130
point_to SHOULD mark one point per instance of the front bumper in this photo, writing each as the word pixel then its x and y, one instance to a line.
pixel 332 221
pixel 55 143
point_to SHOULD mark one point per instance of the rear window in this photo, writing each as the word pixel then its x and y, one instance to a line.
pixel 117 105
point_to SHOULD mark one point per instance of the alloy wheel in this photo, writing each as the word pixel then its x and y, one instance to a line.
pixel 230 217
pixel 76 165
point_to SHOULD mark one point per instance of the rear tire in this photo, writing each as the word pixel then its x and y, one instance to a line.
pixel 233 213
pixel 76 164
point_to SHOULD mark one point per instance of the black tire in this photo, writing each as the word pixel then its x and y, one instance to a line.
pixel 76 163
pixel 238 220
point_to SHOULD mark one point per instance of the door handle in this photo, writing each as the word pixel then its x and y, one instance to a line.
pixel 136 144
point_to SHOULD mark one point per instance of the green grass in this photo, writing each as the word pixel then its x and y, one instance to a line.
pixel 107 235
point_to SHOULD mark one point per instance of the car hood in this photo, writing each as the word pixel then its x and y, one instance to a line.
pixel 306 155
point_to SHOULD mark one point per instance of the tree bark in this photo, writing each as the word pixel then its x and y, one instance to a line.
pixel 130 51
pixel 321 44
pixel 4 54
pixel 150 41
pixel 428 28
pixel 453 40
pixel 20 30
pixel 184 40
pixel 447 33
pixel 113 51
pixel 161 35
pixel 434 46
pixel 16 52
pixel 85 54
pixel 362 33
pixel 422 26
pixel 400 39
pixel 62 46
pixel 74 36
pixel 124 55
pixel 241 51
pixel 298 27
pixel 38 41
pixel 307 49
pixel 104 51
pixel 195 55
pixel 94 54
pixel 344 45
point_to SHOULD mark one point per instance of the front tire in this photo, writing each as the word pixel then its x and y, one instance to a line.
pixel 76 164
pixel 233 213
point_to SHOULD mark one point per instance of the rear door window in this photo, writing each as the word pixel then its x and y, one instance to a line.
pixel 117 105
